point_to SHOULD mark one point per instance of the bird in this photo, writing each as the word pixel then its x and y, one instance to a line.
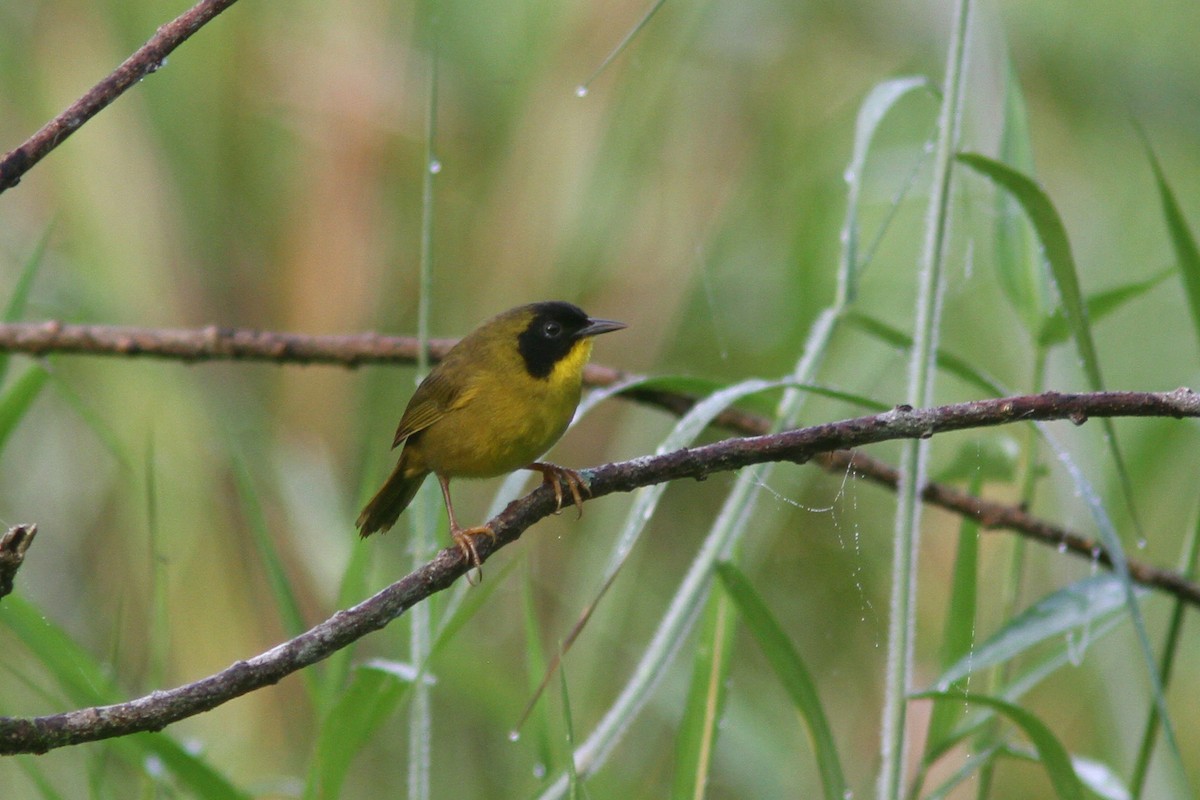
pixel 498 400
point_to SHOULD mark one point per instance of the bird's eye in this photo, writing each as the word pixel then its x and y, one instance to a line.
pixel 552 329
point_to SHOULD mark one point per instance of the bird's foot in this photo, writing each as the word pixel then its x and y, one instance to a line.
pixel 556 476
pixel 465 539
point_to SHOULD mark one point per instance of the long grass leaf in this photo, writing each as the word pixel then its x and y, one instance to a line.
pixel 358 712
pixel 958 632
pixel 1187 253
pixel 287 605
pixel 696 737
pixel 18 398
pixel 19 299
pixel 1170 652
pixel 954 365
pixel 878 102
pixel 1073 608
pixel 86 683
pixel 914 458
pixel 102 430
pixel 1100 779
pixel 792 673
pixel 1053 756
pixel 1055 330
pixel 1018 260
pixel 536 666
pixel 1053 237
pixel 1112 543
pixel 574 784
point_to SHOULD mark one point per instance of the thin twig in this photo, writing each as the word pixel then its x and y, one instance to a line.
pixel 148 58
pixel 158 709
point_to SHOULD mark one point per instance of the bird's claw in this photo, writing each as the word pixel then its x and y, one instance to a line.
pixel 465 539
pixel 555 475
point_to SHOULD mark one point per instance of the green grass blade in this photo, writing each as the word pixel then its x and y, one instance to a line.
pixel 19 299
pixel 371 696
pixel 685 607
pixel 86 683
pixel 574 785
pixel 1170 653
pixel 1053 756
pixel 1074 607
pixel 102 430
pixel 950 363
pixel 584 87
pixel 914 455
pixel 192 771
pixel 1100 779
pixel 879 101
pixel 1112 543
pixel 352 589
pixel 1186 251
pixel 1057 248
pixel 696 737
pixel 1053 237
pixel 1055 329
pixel 73 669
pixel 1063 654
pixel 1018 260
pixel 536 664
pixel 958 632
pixel 287 605
pixel 684 433
pixel 977 762
pixel 792 673
pixel 18 399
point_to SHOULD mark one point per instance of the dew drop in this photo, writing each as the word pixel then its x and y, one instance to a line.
pixel 435 166
pixel 539 770
pixel 514 736
pixel 1142 543
pixel 1062 547
pixel 581 91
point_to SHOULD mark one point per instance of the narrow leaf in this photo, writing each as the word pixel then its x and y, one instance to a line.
pixel 696 738
pixel 18 399
pixel 19 299
pixel 1099 305
pixel 1070 609
pixel 1052 754
pixel 879 101
pixel 1186 251
pixel 1018 260
pixel 1053 237
pixel 792 674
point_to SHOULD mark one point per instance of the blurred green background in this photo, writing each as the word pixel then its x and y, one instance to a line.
pixel 269 176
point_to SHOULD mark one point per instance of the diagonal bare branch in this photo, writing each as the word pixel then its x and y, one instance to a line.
pixel 146 59
pixel 156 710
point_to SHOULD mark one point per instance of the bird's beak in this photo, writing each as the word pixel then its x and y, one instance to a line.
pixel 595 327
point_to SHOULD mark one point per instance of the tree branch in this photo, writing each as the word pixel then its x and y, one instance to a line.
pixel 147 59
pixel 13 545
pixel 158 709
pixel 352 350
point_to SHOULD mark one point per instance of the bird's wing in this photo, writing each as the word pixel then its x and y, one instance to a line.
pixel 434 398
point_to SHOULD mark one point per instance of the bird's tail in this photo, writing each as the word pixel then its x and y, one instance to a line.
pixel 385 507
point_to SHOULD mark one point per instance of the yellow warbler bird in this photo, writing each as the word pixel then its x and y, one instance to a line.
pixel 498 400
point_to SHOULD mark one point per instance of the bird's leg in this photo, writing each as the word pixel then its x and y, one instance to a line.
pixel 553 474
pixel 464 537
